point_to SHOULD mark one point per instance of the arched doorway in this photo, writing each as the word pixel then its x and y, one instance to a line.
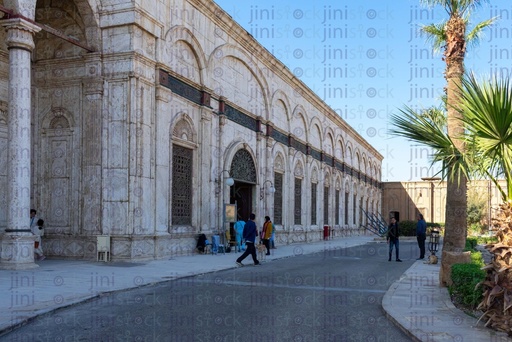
pixel 243 171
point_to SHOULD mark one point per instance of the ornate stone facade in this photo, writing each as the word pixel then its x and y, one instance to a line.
pixel 134 135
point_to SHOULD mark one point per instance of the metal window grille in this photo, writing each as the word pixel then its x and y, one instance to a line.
pixel 298 201
pixel 278 198
pixel 313 203
pixel 181 185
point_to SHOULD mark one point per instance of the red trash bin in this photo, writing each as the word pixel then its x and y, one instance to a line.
pixel 326 232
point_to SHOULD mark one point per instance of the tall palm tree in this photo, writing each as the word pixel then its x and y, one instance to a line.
pixel 452 38
pixel 487 121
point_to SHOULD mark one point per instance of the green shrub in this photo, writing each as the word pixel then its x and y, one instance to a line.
pixel 471 243
pixel 434 225
pixel 476 229
pixel 407 228
pixel 477 259
pixel 465 277
pixel 484 240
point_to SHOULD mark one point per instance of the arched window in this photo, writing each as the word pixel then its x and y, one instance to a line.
pixel 182 173
pixel 242 167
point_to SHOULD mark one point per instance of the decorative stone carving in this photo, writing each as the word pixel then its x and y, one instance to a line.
pixel 314 176
pixel 279 163
pixel 299 170
pixel 183 131
pixel 242 167
pixel 20 33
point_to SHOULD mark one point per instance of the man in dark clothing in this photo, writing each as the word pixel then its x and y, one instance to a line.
pixel 249 236
pixel 421 235
pixel 392 239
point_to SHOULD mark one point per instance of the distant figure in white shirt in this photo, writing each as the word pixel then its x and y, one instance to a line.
pixel 37 228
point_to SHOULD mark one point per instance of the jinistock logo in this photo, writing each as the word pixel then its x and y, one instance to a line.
pixel 418 71
pixel 418 155
pixel 350 112
pixel 22 289
pixel 499 32
pixel 424 91
pixel 500 71
pixel 336 91
pixel 499 53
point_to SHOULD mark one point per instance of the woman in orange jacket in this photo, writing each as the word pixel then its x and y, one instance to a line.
pixel 266 233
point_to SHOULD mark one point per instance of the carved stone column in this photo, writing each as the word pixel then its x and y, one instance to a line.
pixel 92 149
pixel 18 241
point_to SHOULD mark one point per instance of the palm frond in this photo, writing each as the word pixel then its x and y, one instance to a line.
pixel 475 35
pixel 454 6
pixel 427 128
pixel 487 109
pixel 435 34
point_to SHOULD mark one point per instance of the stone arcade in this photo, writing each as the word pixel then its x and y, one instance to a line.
pixel 138 115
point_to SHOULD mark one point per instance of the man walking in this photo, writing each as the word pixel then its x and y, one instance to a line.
pixel 249 236
pixel 421 235
pixel 392 239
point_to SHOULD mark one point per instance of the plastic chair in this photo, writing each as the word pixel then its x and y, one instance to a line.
pixel 217 247
pixel 103 248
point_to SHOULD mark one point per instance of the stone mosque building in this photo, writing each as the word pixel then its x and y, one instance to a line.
pixel 140 122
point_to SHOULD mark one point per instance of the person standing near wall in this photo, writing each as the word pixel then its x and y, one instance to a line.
pixel 392 239
pixel 266 233
pixel 38 231
pixel 421 235
pixel 33 219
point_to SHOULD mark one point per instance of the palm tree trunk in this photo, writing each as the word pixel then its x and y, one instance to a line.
pixel 456 197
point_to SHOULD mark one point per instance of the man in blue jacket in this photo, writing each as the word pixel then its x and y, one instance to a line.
pixel 421 235
pixel 249 236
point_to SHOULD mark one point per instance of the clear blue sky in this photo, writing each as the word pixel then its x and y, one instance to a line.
pixel 366 59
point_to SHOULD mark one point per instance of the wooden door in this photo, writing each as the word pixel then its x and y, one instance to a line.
pixel 241 194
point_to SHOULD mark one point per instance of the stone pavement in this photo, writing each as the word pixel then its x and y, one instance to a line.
pixel 415 302
pixel 424 310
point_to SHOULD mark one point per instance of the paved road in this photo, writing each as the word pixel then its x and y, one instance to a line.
pixel 330 296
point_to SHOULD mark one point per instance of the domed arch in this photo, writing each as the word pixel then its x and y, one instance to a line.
pixel 328 145
pixel 315 133
pixel 78 19
pixel 182 129
pixel 280 105
pixel 57 118
pixel 298 124
pixel 279 157
pixel 357 160
pixel 315 177
pixel 233 74
pixel 363 163
pixel 183 54
pixel 338 181
pixel 339 150
pixel 298 168
pixel 327 178
pixel 240 161
pixel 349 156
